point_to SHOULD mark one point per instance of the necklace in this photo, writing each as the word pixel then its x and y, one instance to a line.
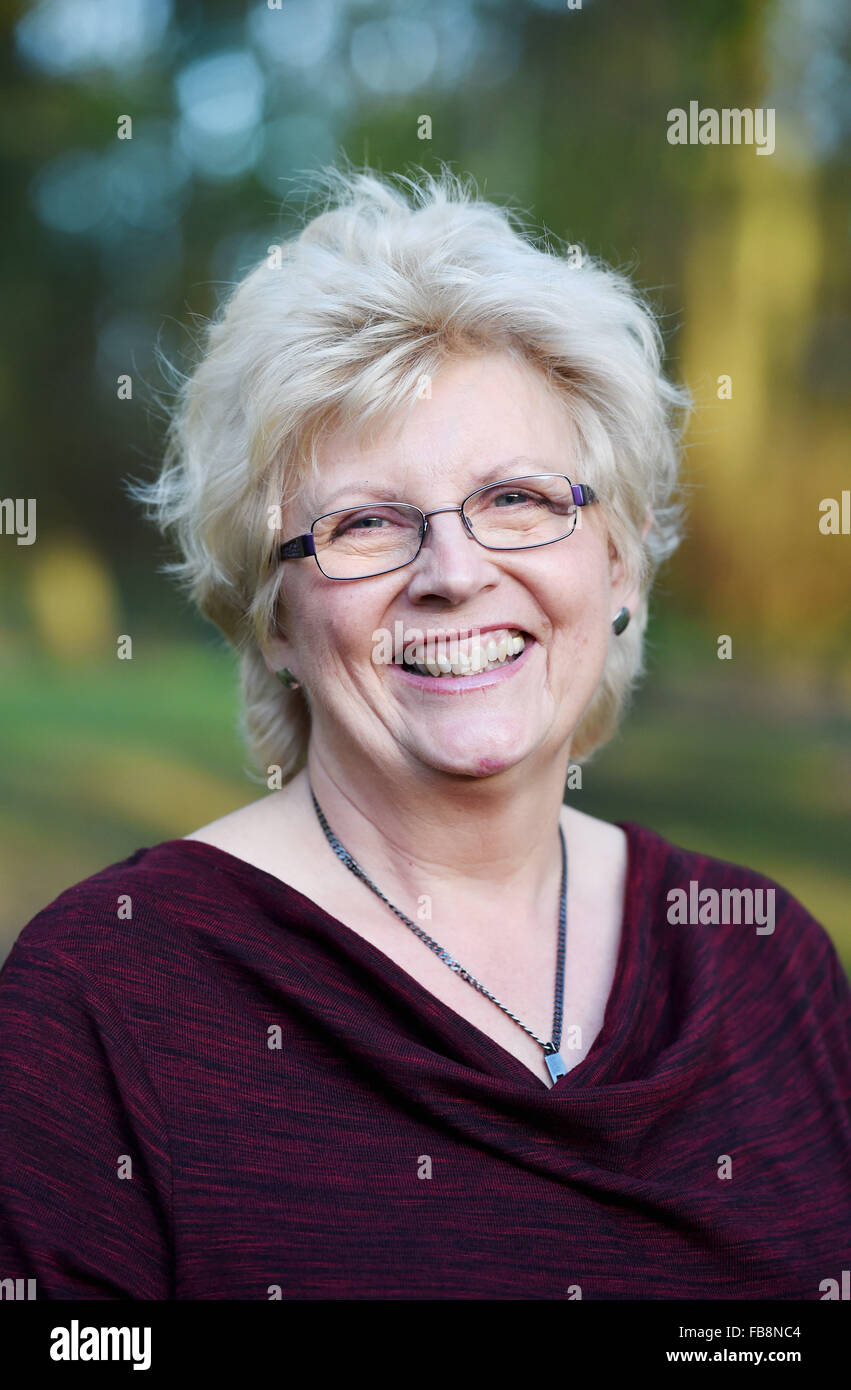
pixel 552 1055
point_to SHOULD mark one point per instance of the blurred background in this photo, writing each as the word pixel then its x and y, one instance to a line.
pixel 118 248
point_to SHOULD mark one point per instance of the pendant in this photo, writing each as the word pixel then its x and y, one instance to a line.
pixel 555 1065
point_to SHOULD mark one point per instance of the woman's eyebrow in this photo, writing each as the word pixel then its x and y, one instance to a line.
pixel 494 473
pixel 379 491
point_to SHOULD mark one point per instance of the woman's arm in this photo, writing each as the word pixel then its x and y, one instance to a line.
pixel 85 1167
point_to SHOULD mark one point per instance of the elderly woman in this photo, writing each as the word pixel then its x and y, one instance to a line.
pixel 408 1026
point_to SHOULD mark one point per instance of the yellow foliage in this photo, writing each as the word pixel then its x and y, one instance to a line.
pixel 73 600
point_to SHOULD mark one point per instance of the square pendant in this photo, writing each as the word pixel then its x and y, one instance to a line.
pixel 555 1065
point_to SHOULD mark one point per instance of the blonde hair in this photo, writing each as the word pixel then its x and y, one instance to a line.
pixel 337 327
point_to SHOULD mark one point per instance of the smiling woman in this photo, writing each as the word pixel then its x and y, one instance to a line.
pixel 408 1027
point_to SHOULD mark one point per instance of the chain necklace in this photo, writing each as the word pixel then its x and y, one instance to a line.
pixel 552 1055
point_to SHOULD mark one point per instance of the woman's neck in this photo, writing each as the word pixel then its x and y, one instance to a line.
pixel 455 841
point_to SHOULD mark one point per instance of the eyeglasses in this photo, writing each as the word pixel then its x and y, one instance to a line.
pixel 517 514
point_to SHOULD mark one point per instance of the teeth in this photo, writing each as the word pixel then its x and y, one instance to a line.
pixel 475 656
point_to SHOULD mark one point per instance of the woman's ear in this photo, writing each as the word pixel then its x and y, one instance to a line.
pixel 624 594
pixel 277 650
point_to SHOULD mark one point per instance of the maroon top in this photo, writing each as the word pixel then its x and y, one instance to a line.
pixel 230 1094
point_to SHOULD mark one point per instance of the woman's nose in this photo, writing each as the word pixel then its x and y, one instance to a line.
pixel 451 566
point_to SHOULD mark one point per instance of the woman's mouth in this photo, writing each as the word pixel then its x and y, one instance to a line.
pixel 468 662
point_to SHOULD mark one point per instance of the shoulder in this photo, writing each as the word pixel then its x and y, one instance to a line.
pixel 240 832
pixel 681 868
pixel 128 917
pixel 751 920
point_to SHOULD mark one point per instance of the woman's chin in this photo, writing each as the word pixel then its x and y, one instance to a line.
pixel 472 757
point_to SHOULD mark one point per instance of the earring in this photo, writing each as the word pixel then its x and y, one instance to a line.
pixel 286 677
pixel 620 621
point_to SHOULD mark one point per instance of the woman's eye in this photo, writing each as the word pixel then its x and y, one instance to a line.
pixel 512 498
pixel 364 522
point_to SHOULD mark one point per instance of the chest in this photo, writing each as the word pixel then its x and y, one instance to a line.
pixel 515 965
pixel 329 1188
pixel 519 972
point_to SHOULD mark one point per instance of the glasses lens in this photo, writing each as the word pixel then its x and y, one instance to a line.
pixel 522 512
pixel 361 541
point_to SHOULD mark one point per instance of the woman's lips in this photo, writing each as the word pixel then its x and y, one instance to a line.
pixel 456 685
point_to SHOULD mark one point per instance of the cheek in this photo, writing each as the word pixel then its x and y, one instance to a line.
pixel 576 600
pixel 334 628
pixel 578 609
pixel 579 657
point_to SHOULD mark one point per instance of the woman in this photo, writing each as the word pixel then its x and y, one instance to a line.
pixel 408 1026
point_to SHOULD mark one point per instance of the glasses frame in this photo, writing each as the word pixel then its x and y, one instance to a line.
pixel 300 547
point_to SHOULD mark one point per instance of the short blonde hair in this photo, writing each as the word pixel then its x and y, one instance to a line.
pixel 337 327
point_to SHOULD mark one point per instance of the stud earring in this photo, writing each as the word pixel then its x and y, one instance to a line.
pixel 286 677
pixel 620 621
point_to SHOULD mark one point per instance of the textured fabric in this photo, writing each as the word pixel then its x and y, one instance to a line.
pixel 157 1142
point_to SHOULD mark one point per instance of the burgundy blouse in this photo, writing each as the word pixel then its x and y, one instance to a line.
pixel 211 1089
